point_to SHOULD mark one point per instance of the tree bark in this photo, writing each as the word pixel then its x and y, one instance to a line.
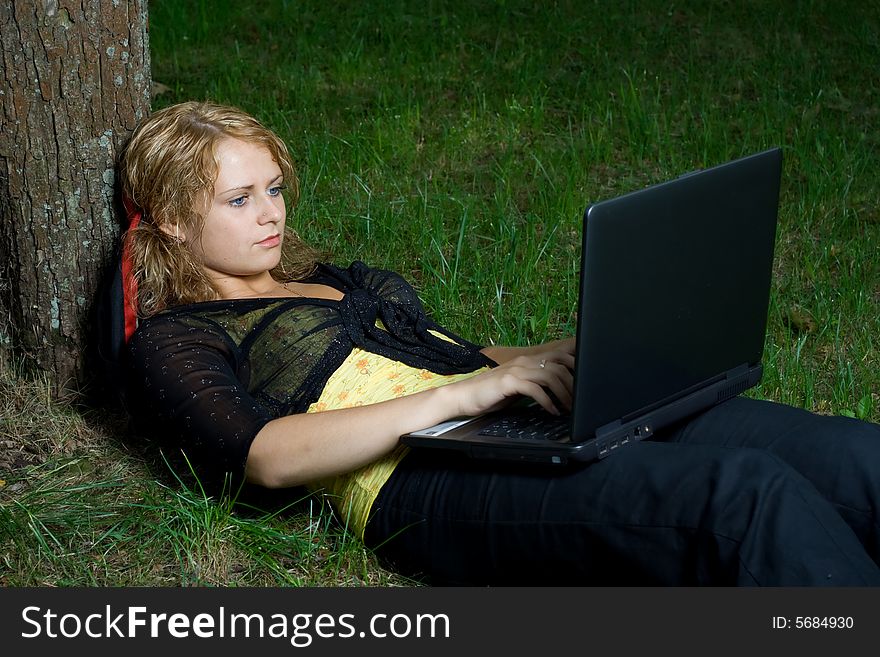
pixel 74 82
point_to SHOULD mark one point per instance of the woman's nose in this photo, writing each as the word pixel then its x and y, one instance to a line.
pixel 271 210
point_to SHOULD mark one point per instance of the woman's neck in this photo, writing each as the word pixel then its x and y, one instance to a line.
pixel 245 287
pixel 264 286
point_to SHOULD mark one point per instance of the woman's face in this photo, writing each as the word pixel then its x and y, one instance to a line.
pixel 244 224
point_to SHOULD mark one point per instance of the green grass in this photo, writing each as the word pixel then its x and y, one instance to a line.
pixel 459 143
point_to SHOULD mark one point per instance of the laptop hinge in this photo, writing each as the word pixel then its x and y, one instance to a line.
pixel 634 420
pixel 607 429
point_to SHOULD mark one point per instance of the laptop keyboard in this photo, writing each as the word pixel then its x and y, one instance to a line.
pixel 532 426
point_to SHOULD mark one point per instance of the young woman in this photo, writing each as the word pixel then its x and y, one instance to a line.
pixel 260 364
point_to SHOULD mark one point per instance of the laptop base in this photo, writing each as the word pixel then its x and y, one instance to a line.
pixel 464 434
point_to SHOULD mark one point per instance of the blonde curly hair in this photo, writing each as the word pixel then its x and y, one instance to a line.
pixel 167 171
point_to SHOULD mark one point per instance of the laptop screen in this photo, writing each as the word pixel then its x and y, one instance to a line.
pixel 674 290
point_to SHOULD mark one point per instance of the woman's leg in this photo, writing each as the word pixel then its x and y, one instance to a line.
pixel 839 455
pixel 654 513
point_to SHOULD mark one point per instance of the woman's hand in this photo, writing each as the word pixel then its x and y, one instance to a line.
pixel 536 372
pixel 502 355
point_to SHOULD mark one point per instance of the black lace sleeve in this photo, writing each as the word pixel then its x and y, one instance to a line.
pixel 187 387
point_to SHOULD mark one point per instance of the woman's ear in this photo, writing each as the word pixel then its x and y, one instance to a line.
pixel 173 230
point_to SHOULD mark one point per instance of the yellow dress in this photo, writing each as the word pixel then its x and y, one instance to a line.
pixel 368 378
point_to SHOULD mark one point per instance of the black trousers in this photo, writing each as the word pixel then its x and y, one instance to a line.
pixel 748 493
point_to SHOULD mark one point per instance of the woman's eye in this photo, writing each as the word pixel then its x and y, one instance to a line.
pixel 276 191
pixel 238 202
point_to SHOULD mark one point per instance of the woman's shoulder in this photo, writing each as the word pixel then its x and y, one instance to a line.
pixel 183 325
pixel 230 319
pixel 180 342
pixel 177 318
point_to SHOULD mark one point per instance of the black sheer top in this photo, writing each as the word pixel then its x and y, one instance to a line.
pixel 204 378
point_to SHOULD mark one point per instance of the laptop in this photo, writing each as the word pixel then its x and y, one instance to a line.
pixel 673 300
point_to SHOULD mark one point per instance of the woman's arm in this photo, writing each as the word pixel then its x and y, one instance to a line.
pixel 503 354
pixel 298 449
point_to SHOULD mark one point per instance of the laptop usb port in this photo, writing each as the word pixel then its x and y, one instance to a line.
pixel 614 444
pixel 603 447
pixel 624 440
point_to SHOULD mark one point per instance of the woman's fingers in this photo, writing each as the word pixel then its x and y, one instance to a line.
pixel 556 356
pixel 549 375
pixel 536 392
pixel 561 385
pixel 545 377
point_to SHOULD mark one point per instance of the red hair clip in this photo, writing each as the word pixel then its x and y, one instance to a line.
pixel 129 283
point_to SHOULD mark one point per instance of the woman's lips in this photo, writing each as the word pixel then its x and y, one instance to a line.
pixel 269 242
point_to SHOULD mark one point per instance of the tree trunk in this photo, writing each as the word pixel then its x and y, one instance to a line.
pixel 74 82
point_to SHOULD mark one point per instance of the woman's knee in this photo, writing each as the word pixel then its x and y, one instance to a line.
pixel 741 484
